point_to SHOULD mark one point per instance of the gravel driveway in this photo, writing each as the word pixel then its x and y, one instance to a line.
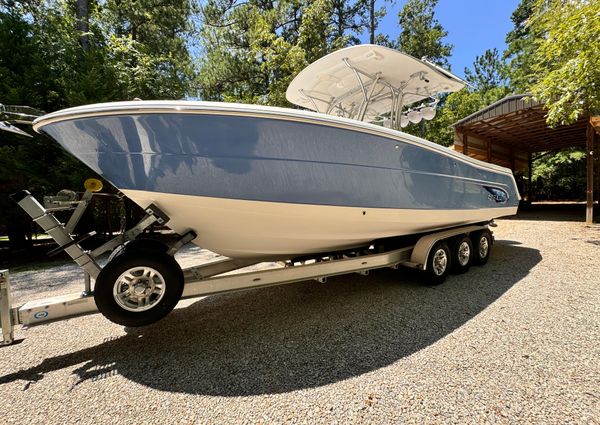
pixel 516 340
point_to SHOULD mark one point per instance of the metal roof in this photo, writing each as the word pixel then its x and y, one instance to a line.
pixel 519 121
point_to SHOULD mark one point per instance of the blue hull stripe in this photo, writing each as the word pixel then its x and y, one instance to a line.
pixel 266 159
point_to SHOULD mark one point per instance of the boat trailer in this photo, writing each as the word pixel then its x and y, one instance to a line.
pixel 431 253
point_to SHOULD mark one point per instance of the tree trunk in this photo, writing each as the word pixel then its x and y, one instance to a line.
pixel 372 23
pixel 83 24
pixel 340 22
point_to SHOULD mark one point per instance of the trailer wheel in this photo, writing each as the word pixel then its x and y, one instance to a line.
pixel 482 246
pixel 439 263
pixel 138 287
pixel 462 254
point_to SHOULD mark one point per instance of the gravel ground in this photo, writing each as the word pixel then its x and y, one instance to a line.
pixel 516 340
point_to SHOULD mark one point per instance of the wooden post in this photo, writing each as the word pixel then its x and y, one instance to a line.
pixel 465 144
pixel 512 160
pixel 530 176
pixel 489 151
pixel 589 210
pixel 597 164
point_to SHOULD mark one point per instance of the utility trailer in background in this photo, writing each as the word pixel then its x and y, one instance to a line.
pixel 142 282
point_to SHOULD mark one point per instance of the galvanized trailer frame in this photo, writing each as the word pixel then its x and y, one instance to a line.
pixel 201 280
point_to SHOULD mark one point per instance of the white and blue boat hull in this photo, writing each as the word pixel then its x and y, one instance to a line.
pixel 256 181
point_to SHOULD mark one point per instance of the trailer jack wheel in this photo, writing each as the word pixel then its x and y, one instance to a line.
pixel 138 287
pixel 439 264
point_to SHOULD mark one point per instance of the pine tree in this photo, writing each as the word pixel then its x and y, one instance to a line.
pixel 253 50
pixel 489 71
pixel 422 34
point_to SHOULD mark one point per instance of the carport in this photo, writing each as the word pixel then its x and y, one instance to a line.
pixel 511 130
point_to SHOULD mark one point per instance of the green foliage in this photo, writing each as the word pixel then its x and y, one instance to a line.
pixel 137 48
pixel 487 85
pixel 348 19
pixel 560 175
pixel 421 34
pixel 24 69
pixel 567 58
pixel 371 18
pixel 521 44
pixel 253 50
pixel 457 106
pixel 146 46
pixel 489 71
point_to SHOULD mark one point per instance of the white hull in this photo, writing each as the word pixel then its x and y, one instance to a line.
pixel 257 229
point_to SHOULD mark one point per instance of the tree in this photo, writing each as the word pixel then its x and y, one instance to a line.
pixel 56 54
pixel 489 71
pixel 457 106
pixel 83 23
pixel 567 59
pixel 373 17
pixel 372 21
pixel 347 21
pixel 560 175
pixel 487 85
pixel 421 34
pixel 521 43
pixel 146 44
pixel 253 50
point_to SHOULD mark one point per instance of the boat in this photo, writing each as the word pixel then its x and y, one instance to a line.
pixel 261 182
pixel 10 115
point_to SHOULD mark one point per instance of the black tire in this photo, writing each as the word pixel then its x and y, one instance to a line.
pixel 482 249
pixel 462 254
pixel 115 253
pixel 439 263
pixel 162 288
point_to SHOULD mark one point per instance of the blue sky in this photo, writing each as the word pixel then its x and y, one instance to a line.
pixel 473 26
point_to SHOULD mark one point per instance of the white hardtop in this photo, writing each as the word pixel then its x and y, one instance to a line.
pixel 367 81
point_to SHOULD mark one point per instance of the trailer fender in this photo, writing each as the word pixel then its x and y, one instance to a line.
pixel 420 252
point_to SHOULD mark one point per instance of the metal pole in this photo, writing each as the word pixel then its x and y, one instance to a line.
pixel 78 213
pixel 87 282
pixel 363 110
pixel 8 336
pixel 398 111
pixel 362 86
pixel 589 210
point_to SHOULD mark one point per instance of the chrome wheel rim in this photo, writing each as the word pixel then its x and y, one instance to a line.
pixel 483 247
pixel 139 289
pixel 440 262
pixel 464 253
